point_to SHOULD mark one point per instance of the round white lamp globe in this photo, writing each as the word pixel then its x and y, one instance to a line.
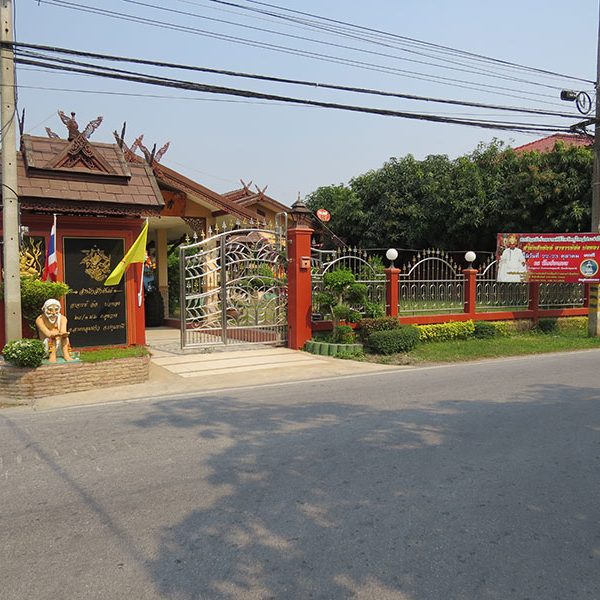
pixel 391 254
pixel 470 256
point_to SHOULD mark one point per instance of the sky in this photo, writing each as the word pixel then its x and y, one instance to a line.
pixel 219 140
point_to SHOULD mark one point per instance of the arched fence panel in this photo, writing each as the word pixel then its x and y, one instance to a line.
pixel 431 282
pixel 366 267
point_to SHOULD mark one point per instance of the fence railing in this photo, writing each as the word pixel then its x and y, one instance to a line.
pixel 367 269
pixel 432 282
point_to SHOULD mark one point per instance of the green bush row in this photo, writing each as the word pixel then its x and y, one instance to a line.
pixel 441 332
pixel 392 341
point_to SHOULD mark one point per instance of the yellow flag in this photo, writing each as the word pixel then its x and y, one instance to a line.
pixel 135 254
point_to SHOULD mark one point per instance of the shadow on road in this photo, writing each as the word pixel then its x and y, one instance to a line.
pixel 464 500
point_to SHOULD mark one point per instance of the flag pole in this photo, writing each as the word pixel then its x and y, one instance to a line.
pixel 141 290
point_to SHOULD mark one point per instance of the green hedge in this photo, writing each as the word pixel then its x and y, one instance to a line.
pixel 485 329
pixel 392 341
pixel 441 332
pixel 366 327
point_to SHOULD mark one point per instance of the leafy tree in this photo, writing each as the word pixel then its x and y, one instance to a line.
pixel 463 203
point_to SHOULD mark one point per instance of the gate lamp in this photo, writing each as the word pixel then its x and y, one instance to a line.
pixel 470 257
pixel 391 255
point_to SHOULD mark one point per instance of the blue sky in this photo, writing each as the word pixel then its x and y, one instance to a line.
pixel 293 149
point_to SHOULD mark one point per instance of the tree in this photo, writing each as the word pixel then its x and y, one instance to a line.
pixel 463 203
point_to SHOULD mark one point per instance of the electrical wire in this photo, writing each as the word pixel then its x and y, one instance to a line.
pixel 21 49
pixel 400 37
pixel 179 84
pixel 483 72
pixel 480 87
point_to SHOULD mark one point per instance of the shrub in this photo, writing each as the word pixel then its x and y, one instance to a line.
pixel 341 295
pixel 343 334
pixel 392 341
pixel 356 354
pixel 484 329
pixel 572 323
pixel 373 310
pixel 24 353
pixel 34 292
pixel 368 326
pixel 441 332
pixel 547 325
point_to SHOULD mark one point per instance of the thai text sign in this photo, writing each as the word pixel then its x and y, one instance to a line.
pixel 96 313
pixel 549 257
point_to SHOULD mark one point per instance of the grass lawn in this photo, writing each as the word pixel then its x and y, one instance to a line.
pixel 94 356
pixel 474 349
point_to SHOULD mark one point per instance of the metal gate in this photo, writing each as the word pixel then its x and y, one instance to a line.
pixel 234 289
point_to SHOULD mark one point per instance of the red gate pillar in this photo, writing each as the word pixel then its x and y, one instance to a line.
pixel 470 279
pixel 299 276
pixel 391 292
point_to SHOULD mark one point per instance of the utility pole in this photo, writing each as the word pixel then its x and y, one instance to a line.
pixel 10 201
pixel 594 315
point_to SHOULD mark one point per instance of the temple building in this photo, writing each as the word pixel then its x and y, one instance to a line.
pixel 101 194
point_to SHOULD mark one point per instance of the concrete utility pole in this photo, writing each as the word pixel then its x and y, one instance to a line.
pixel 594 316
pixel 10 201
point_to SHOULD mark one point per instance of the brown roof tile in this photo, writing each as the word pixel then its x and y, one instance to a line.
pixel 129 185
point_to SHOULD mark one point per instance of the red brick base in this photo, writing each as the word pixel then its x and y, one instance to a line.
pixel 20 386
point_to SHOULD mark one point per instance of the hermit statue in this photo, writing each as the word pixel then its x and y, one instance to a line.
pixel 52 328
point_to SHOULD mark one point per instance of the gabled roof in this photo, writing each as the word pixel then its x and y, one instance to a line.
pixel 176 181
pixel 246 197
pixel 547 144
pixel 78 176
pixel 182 183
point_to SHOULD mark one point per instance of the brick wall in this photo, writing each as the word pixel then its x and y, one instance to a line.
pixel 20 386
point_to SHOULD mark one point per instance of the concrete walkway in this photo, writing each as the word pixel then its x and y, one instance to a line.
pixel 177 373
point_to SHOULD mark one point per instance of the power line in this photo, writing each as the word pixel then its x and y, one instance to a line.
pixel 483 72
pixel 18 46
pixel 481 87
pixel 401 37
pixel 513 126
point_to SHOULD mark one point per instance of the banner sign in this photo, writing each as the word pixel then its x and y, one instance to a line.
pixel 549 257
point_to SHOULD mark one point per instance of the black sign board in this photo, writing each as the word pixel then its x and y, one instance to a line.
pixel 96 313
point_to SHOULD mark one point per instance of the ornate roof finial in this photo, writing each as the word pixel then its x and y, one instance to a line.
pixel 73 127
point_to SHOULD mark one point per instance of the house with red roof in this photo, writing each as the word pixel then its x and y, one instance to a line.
pixel 548 143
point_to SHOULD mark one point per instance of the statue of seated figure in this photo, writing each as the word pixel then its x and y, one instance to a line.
pixel 52 328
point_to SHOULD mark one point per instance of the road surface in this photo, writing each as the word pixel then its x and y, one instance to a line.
pixel 474 482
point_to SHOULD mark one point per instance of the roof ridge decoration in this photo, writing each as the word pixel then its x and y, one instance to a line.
pixel 79 153
pixel 151 157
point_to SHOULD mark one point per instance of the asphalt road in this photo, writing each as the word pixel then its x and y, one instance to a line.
pixel 466 482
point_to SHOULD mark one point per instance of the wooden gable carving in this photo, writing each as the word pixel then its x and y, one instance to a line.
pixel 80 154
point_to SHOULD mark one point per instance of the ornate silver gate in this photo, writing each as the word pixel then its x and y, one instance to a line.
pixel 234 289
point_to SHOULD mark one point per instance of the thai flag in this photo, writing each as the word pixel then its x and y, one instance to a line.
pixel 51 265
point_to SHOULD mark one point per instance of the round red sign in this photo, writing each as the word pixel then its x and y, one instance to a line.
pixel 323 214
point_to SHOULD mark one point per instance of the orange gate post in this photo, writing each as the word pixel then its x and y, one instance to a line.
pixel 470 276
pixel 299 276
pixel 391 291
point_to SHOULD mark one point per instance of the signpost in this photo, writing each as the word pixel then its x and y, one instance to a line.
pixel 549 257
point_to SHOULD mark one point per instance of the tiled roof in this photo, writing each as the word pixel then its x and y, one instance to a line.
pixel 245 197
pixel 182 183
pixel 77 188
pixel 547 144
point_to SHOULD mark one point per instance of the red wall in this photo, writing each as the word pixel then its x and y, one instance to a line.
pixel 126 229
